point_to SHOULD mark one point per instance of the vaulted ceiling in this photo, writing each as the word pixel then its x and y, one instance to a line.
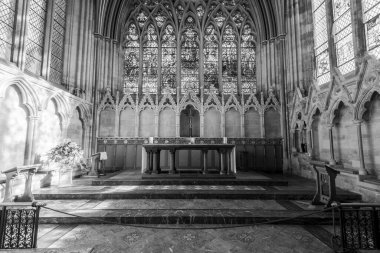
pixel 111 16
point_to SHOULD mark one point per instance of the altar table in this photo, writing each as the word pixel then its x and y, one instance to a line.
pixel 151 156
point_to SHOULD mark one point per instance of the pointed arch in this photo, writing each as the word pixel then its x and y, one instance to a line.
pixel 29 96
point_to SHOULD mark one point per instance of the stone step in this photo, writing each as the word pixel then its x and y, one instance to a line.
pixel 123 192
pixel 192 181
pixel 185 216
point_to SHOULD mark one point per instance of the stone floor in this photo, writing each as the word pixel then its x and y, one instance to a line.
pixel 159 215
pixel 110 238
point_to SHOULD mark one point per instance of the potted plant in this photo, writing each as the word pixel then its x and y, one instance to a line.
pixel 64 158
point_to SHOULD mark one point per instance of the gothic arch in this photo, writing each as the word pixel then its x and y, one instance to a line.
pixel 360 109
pixel 29 96
pixel 335 106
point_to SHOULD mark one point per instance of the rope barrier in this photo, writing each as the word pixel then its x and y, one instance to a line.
pixel 195 228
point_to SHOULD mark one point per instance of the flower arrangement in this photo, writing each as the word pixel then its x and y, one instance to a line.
pixel 67 154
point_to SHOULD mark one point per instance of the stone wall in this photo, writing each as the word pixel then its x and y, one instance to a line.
pixel 35 113
pixel 214 116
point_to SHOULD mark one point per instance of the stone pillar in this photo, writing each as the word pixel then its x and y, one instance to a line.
pixel 172 161
pixel 331 139
pixel 177 124
pixel 223 124
pixel 262 124
pixel 309 140
pixel 156 161
pixel 362 169
pixel 228 161
pixel 95 95
pixel 202 124
pixel 30 138
pixel 221 155
pixel 156 122
pixel 242 125
pixel 204 158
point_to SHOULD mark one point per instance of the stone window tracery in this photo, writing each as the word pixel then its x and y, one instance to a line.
pixel 343 36
pixel 371 9
pixel 58 37
pixel 321 48
pixel 197 47
pixel 7 19
pixel 36 35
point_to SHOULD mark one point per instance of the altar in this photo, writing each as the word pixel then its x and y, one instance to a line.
pixel 151 157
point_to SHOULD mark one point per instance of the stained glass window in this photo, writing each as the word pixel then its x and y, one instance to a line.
pixel 343 36
pixel 372 23
pixel 58 36
pixel 150 60
pixel 190 56
pixel 248 59
pixel 35 34
pixel 321 49
pixel 169 59
pixel 229 60
pixel 211 55
pixel 132 59
pixel 191 39
pixel 7 19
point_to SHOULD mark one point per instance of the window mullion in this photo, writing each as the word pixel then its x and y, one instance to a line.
pixel 358 29
pixel 48 40
pixel 20 38
pixel 201 64
pixel 330 39
pixel 238 48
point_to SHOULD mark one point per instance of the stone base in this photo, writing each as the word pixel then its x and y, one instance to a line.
pixel 65 177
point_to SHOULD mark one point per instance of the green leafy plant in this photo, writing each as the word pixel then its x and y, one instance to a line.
pixel 67 154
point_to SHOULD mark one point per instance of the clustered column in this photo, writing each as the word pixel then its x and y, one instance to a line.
pixel 362 169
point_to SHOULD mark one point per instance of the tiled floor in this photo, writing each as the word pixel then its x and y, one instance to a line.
pixel 123 238
pixel 110 238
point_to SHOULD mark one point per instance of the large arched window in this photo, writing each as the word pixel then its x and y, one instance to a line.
pixel 201 44
pixel 372 23
pixel 7 20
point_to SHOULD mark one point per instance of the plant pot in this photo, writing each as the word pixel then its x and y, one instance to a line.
pixel 65 176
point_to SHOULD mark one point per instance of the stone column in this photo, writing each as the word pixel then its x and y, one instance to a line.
pixel 156 122
pixel 221 155
pixel 172 161
pixel 202 125
pixel 228 161
pixel 177 124
pixel 362 169
pixel 331 139
pixel 30 139
pixel 204 158
pixel 242 125
pixel 309 141
pixel 156 161
pixel 262 124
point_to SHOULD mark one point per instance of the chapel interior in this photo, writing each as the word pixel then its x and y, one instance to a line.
pixel 188 111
